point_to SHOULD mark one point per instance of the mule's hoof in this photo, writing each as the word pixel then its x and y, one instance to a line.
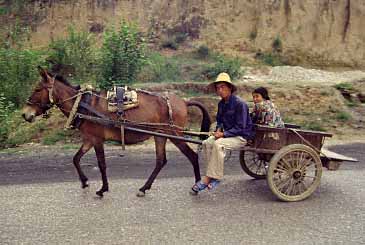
pixel 140 194
pixel 83 186
pixel 100 193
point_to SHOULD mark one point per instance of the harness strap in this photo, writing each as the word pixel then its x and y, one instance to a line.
pixel 166 97
pixel 122 136
pixel 73 111
pixel 120 94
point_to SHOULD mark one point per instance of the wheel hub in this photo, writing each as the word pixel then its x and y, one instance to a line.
pixel 297 174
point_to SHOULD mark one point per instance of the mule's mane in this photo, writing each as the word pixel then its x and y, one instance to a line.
pixel 65 82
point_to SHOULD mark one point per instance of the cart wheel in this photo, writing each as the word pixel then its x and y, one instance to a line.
pixel 294 172
pixel 254 164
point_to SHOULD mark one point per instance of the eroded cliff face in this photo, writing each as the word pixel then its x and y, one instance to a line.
pixel 322 32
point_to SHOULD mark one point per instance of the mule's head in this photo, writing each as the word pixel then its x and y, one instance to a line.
pixel 40 100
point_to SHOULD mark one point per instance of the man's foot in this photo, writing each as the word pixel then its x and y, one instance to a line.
pixel 197 187
pixel 213 184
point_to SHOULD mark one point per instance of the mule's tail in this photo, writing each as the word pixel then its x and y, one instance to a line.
pixel 206 121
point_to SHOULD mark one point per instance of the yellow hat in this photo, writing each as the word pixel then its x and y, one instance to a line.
pixel 222 77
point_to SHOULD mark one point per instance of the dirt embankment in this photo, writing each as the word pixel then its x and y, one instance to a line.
pixel 322 33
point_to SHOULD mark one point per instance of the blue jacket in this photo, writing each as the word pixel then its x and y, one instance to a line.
pixel 233 117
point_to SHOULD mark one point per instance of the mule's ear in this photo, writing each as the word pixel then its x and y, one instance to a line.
pixel 43 72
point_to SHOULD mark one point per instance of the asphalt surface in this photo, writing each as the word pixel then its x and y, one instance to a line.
pixel 42 203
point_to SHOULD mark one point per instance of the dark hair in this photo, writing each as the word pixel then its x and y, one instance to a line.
pixel 263 91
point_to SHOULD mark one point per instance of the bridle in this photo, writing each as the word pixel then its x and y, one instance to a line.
pixel 45 106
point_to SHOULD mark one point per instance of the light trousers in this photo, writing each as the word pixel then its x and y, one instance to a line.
pixel 214 152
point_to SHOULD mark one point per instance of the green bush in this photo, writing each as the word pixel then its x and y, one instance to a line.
pixel 343 116
pixel 223 64
pixel 271 59
pixel 170 43
pixel 277 45
pixel 181 37
pixel 6 107
pixel 160 69
pixel 173 41
pixel 76 51
pixel 17 66
pixel 253 35
pixel 352 103
pixel 202 52
pixel 18 73
pixel 122 56
pixel 344 86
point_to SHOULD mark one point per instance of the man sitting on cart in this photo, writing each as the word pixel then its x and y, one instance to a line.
pixel 234 129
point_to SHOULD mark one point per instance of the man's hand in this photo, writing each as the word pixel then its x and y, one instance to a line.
pixel 218 134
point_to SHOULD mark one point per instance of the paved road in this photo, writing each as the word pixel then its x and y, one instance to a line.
pixel 42 203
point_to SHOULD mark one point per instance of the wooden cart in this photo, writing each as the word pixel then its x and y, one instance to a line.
pixel 289 158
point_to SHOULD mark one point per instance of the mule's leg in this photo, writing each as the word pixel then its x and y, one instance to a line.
pixel 160 145
pixel 76 160
pixel 191 155
pixel 99 150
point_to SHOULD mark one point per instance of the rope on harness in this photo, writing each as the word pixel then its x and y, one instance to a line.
pixel 122 136
pixel 73 111
pixel 166 97
pixel 75 106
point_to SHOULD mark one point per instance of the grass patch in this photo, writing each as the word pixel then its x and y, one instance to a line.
pixel 344 86
pixel 70 147
pixel 352 103
pixel 232 66
pixel 11 150
pixel 313 125
pixel 343 116
pixel 17 131
pixel 253 34
pixel 56 136
pixel 202 52
pixel 170 43
pixel 289 120
pixel 192 93
pixel 160 69
pixel 324 93
pixel 270 59
pixel 277 44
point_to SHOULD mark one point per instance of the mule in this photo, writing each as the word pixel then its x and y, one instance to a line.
pixel 152 109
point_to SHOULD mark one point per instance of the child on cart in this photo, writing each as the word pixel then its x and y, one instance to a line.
pixel 264 111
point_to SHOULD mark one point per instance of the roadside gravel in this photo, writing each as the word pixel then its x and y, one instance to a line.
pixel 297 74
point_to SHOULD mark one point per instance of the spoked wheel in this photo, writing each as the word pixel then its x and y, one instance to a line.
pixel 294 172
pixel 254 164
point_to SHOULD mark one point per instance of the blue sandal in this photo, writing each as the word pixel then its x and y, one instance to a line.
pixel 197 187
pixel 213 184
